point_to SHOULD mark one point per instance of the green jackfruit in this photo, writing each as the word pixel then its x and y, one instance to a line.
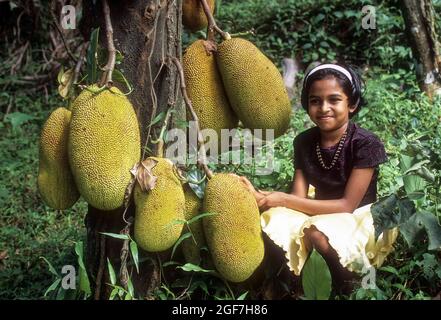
pixel 205 89
pixel 55 181
pixel 157 210
pixel 193 15
pixel 233 234
pixel 191 247
pixel 254 86
pixel 104 144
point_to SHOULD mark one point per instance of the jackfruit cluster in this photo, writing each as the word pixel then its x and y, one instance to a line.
pixel 55 180
pixel 236 82
pixel 160 209
pixel 193 15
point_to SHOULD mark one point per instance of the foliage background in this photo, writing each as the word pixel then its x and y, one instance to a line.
pixel 310 30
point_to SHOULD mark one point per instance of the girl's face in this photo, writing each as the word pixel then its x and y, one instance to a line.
pixel 328 105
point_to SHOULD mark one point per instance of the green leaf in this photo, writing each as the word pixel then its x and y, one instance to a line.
pixel 169 263
pixel 113 293
pixel 111 272
pixel 16 119
pixel 416 166
pixel 384 214
pixel 200 216
pixel 131 289
pixel 189 267
pixel 412 229
pixel 242 296
pixel 316 278
pixel 134 253
pixel 433 229
pixel 181 238
pixel 119 77
pixel 116 235
pixel 53 286
pixel 84 278
pixel 51 268
pixel 92 74
pixel 413 184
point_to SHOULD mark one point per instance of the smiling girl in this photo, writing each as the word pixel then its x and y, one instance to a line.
pixel 341 160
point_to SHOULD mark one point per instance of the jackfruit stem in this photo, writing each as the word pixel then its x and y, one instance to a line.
pixel 201 162
pixel 212 26
pixel 110 66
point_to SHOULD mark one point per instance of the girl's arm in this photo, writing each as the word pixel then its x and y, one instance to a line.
pixel 299 185
pixel 355 190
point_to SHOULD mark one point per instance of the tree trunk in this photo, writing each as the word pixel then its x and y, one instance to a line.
pixel 419 18
pixel 146 32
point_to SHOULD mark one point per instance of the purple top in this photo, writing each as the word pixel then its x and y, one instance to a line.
pixel 362 149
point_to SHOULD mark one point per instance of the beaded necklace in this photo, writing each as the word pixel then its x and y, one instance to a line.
pixel 336 155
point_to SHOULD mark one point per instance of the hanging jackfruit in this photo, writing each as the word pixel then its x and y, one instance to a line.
pixel 104 144
pixel 254 86
pixel 205 89
pixel 55 181
pixel 233 233
pixel 193 15
pixel 159 211
pixel 191 246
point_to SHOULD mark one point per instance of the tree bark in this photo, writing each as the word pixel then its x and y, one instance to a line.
pixel 420 25
pixel 146 32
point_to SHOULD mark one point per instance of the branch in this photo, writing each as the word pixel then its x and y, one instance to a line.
pixel 80 62
pixel 201 162
pixel 212 26
pixel 110 66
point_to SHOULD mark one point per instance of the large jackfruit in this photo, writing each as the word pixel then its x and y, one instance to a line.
pixel 205 89
pixel 159 209
pixel 254 86
pixel 191 246
pixel 55 181
pixel 233 234
pixel 193 15
pixel 104 144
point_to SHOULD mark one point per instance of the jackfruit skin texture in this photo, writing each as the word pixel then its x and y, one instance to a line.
pixel 55 181
pixel 104 144
pixel 193 207
pixel 193 16
pixel 233 235
pixel 206 91
pixel 157 209
pixel 254 86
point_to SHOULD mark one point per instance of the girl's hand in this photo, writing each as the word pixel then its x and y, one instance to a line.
pixel 271 200
pixel 257 194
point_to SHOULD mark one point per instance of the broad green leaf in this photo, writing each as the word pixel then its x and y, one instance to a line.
pixel 191 267
pixel 316 278
pixel 181 238
pixel 413 183
pixel 111 272
pixel 92 74
pixel 384 214
pixel 134 252
pixel 433 229
pixel 405 161
pixel 116 235
pixel 412 229
pixel 416 166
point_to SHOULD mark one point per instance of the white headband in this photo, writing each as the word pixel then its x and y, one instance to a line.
pixel 330 66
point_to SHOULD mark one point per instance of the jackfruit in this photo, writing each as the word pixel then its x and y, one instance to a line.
pixel 205 89
pixel 191 246
pixel 254 86
pixel 159 210
pixel 104 144
pixel 55 181
pixel 193 15
pixel 233 233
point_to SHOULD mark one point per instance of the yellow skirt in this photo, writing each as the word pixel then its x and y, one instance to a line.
pixel 351 235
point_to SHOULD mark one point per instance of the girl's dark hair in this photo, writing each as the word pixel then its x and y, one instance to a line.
pixel 353 90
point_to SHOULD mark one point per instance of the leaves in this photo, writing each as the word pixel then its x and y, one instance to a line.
pixel 16 119
pixel 91 59
pixel 316 278
pixel 189 267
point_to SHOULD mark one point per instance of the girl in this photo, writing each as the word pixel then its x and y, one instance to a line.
pixel 340 160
